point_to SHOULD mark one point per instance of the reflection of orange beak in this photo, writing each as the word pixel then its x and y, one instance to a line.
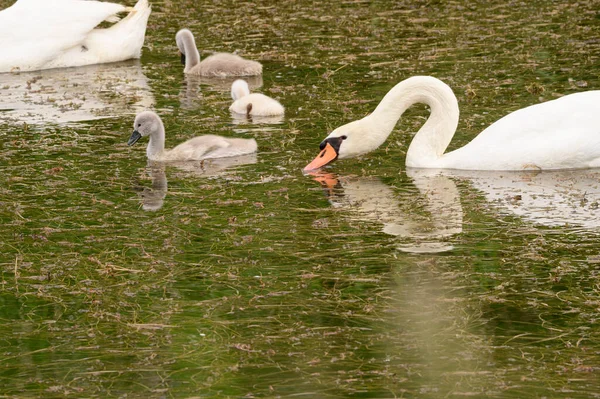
pixel 326 156
pixel 328 180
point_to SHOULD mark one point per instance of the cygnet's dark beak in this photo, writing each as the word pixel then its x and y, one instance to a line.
pixel 182 58
pixel 135 136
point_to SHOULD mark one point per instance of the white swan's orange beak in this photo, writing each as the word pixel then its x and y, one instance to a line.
pixel 328 155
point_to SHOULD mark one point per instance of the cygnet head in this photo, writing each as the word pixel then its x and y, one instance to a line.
pixel 146 123
pixel 239 89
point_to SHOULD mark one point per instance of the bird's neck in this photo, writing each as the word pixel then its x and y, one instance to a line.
pixel 192 56
pixel 433 138
pixel 156 146
pixel 239 92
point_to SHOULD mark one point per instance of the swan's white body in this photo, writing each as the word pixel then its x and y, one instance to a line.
pixel 43 34
pixel 209 146
pixel 558 134
pixel 255 104
pixel 219 64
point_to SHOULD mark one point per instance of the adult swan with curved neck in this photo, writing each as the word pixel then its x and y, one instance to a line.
pixel 558 134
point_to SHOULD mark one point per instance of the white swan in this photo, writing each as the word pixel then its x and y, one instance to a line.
pixel 209 146
pixel 219 64
pixel 255 104
pixel 42 34
pixel 558 134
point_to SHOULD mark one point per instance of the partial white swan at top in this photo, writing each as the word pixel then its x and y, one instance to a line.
pixel 368 198
pixel 43 34
pixel 209 146
pixel 252 104
pixel 74 94
pixel 218 64
pixel 558 134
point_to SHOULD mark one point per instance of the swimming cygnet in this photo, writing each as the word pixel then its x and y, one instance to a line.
pixel 209 146
pixel 254 104
pixel 219 64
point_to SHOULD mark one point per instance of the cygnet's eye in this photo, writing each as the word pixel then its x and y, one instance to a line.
pixel 139 125
pixel 344 137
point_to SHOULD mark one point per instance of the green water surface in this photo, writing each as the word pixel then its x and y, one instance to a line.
pixel 120 278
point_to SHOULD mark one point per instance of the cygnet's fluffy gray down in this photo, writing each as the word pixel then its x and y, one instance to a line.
pixel 209 146
pixel 219 64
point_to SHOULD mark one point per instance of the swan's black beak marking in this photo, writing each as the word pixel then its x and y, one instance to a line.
pixel 182 58
pixel 335 142
pixel 135 136
pixel 330 149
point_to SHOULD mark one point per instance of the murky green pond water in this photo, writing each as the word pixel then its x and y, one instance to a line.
pixel 123 279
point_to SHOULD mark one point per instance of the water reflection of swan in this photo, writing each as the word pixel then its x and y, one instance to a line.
pixel 368 198
pixel 551 198
pixel 439 329
pixel 239 119
pixel 152 198
pixel 214 167
pixel 74 94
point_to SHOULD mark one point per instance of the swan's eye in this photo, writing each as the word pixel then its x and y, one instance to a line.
pixel 344 137
pixel 139 125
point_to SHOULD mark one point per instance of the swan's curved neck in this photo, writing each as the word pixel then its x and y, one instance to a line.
pixel 188 45
pixel 156 146
pixel 239 90
pixel 433 138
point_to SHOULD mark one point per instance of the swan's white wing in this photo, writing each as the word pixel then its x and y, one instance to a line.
pixel 34 31
pixel 563 133
pixel 548 120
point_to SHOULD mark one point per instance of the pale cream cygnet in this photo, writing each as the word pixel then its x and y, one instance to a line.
pixel 218 64
pixel 209 146
pixel 255 104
